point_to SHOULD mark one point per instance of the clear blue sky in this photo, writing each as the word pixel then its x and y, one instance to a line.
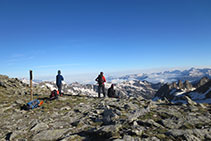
pixel 88 36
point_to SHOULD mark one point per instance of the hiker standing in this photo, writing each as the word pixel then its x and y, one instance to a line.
pixel 101 80
pixel 112 92
pixel 59 79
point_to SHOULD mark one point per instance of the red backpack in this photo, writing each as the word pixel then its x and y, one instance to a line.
pixel 54 94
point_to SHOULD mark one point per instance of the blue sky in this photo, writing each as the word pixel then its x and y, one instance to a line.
pixel 84 37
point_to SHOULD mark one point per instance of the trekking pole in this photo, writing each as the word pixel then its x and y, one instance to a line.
pixel 31 92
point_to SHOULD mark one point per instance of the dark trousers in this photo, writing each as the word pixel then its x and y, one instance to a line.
pixel 60 89
pixel 101 87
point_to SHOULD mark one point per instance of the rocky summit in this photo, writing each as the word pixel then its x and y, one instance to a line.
pixel 70 118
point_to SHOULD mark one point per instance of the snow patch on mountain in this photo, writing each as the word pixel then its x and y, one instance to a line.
pixel 50 86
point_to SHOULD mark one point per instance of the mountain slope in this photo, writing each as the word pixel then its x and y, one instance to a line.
pixel 179 92
pixel 125 89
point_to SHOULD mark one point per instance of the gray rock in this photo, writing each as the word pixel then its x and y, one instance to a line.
pixel 61 124
pixel 151 139
pixel 128 138
pixel 133 115
pixel 172 123
pixel 74 138
pixel 191 138
pixel 19 102
pixel 110 128
pixel 135 124
pixel 39 127
pixel 49 135
pixel 176 133
pixel 108 115
pixel 189 134
pixel 138 131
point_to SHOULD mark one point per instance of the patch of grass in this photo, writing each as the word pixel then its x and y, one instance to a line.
pixel 123 117
pixel 202 110
pixel 149 115
pixel 97 124
pixel 187 126
pixel 157 132
pixel 161 130
pixel 5 117
pixel 161 136
pixel 164 115
pixel 75 138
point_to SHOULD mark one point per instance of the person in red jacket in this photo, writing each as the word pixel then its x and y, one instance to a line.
pixel 101 80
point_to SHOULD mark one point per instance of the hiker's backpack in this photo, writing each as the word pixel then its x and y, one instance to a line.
pixel 33 104
pixel 54 94
pixel 100 80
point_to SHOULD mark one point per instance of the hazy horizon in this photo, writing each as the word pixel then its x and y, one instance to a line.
pixel 90 77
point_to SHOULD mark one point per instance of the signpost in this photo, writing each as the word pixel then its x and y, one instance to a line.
pixel 31 91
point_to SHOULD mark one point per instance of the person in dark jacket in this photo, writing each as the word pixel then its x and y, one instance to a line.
pixel 59 79
pixel 112 92
pixel 101 80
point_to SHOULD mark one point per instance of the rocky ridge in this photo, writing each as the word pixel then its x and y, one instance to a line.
pixel 14 86
pixel 199 91
pixel 82 118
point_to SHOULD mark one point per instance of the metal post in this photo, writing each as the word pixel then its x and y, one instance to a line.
pixel 31 91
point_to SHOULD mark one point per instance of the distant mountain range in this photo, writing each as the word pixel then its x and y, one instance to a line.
pixel 132 88
pixel 193 74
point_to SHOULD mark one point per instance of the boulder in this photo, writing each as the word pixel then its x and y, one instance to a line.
pixel 110 130
pixel 39 127
pixel 108 116
pixel 19 102
pixel 133 115
pixel 49 135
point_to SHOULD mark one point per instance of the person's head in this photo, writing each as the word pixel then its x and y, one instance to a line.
pixel 59 72
pixel 112 86
pixel 101 73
